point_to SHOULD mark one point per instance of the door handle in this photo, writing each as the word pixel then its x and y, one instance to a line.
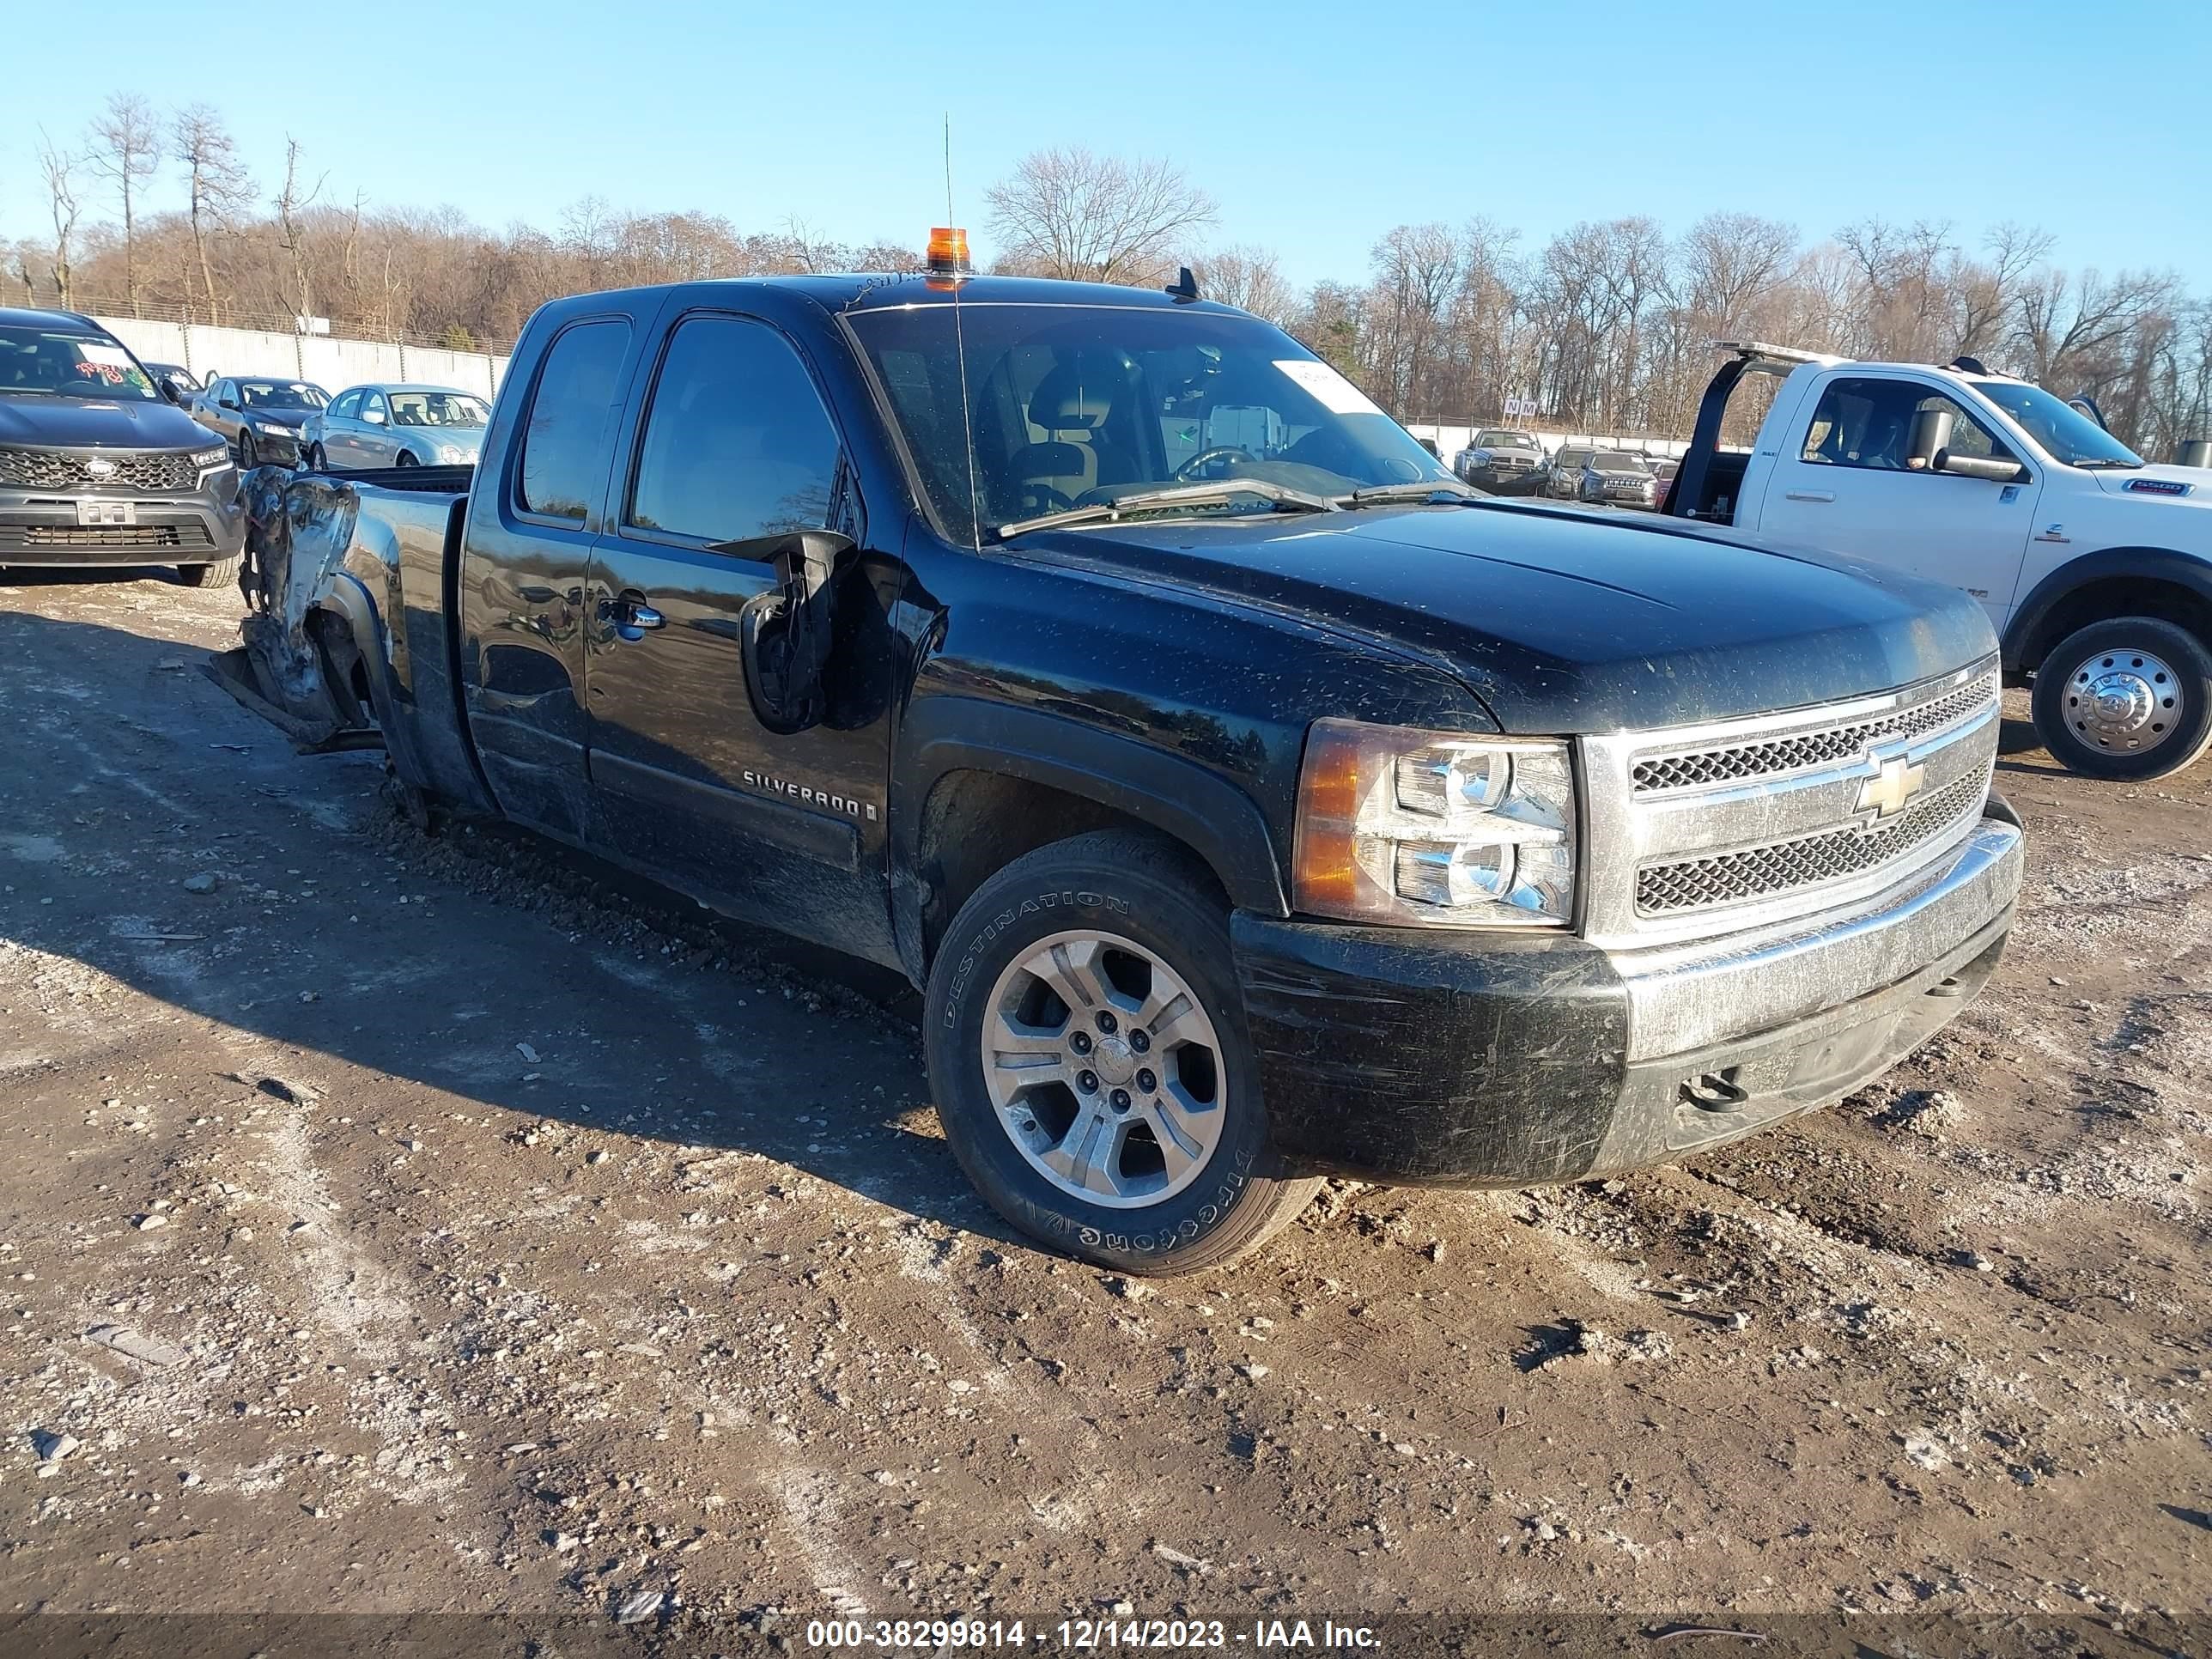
pixel 1811 494
pixel 631 616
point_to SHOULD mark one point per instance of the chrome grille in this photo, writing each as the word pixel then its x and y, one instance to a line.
pixel 1766 871
pixel 1791 754
pixel 1701 830
pixel 51 469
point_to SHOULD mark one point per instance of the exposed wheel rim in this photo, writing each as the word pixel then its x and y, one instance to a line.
pixel 1105 1069
pixel 2124 702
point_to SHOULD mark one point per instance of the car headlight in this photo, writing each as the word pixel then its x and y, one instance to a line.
pixel 1431 829
pixel 453 455
pixel 210 460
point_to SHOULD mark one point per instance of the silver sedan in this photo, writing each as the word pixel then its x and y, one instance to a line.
pixel 371 426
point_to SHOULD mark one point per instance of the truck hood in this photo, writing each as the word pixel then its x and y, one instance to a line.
pixel 2196 481
pixel 96 423
pixel 1563 622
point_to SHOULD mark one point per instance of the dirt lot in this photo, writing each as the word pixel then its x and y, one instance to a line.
pixel 413 1224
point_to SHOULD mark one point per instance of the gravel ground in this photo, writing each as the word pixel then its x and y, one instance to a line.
pixel 440 1224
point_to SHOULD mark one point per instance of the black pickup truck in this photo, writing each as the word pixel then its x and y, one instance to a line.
pixel 1250 799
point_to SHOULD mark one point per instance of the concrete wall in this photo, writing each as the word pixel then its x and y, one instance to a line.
pixel 331 364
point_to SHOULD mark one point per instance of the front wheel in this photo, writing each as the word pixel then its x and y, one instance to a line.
pixel 1088 1054
pixel 317 461
pixel 222 574
pixel 406 459
pixel 246 461
pixel 2130 698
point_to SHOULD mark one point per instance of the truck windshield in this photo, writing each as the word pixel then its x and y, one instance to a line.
pixel 2065 433
pixel 1074 405
pixel 1504 440
pixel 69 363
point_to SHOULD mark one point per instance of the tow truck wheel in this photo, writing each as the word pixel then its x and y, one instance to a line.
pixel 2130 698
pixel 1088 1054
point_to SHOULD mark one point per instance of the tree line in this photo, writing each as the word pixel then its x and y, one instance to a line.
pixel 1606 324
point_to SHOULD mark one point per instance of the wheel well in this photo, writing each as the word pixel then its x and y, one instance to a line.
pixel 976 823
pixel 2118 596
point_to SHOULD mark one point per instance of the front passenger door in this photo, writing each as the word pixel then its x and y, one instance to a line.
pixel 736 454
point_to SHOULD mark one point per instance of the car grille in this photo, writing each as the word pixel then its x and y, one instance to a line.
pixel 53 468
pixel 104 535
pixel 1745 823
pixel 1767 871
pixel 1791 754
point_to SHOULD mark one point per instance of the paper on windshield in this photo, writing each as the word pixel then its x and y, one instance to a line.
pixel 106 362
pixel 1336 394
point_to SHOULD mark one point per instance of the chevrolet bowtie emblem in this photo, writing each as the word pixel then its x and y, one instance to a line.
pixel 1895 783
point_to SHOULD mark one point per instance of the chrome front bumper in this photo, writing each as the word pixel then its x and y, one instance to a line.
pixel 1688 997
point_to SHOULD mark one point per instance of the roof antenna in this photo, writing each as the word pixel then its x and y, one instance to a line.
pixel 1185 286
pixel 957 250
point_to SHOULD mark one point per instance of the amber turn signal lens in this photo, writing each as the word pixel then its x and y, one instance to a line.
pixel 1325 873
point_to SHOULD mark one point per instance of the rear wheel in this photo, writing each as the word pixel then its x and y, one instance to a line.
pixel 222 574
pixel 2130 698
pixel 1088 1054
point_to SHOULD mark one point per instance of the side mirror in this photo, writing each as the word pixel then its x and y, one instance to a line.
pixel 371 418
pixel 230 403
pixel 1931 436
pixel 785 634
pixel 1980 466
pixel 167 388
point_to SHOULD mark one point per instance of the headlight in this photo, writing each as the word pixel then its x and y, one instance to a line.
pixel 211 460
pixel 453 455
pixel 1429 829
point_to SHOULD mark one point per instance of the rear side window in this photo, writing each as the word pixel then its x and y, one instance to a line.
pixel 737 444
pixel 565 436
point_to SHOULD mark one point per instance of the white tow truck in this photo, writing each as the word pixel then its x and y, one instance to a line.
pixel 2095 566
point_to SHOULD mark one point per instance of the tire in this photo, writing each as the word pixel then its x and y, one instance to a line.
pixel 406 459
pixel 222 574
pixel 1112 903
pixel 2154 716
pixel 317 462
pixel 246 461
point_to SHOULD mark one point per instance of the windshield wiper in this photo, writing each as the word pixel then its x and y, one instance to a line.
pixel 1280 499
pixel 1412 492
pixel 2099 463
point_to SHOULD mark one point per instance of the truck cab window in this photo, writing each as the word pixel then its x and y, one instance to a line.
pixel 737 444
pixel 564 443
pixel 1868 422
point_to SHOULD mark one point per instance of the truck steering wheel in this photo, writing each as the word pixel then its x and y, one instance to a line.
pixel 1189 468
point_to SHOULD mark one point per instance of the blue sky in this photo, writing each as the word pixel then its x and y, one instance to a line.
pixel 1316 126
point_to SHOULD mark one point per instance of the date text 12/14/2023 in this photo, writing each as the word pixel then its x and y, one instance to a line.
pixel 1084 1634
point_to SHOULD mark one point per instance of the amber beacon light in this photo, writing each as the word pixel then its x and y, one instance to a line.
pixel 948 252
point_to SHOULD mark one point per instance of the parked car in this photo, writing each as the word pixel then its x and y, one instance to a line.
pixel 1250 797
pixel 1501 460
pixel 1561 476
pixel 177 379
pixel 97 467
pixel 392 425
pixel 1616 477
pixel 2094 566
pixel 259 418
pixel 1664 474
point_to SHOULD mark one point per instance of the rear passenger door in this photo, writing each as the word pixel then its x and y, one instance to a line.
pixel 527 544
pixel 734 451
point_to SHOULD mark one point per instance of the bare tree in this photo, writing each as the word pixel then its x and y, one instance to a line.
pixel 1069 213
pixel 126 148
pixel 1247 278
pixel 58 169
pixel 292 205
pixel 219 188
